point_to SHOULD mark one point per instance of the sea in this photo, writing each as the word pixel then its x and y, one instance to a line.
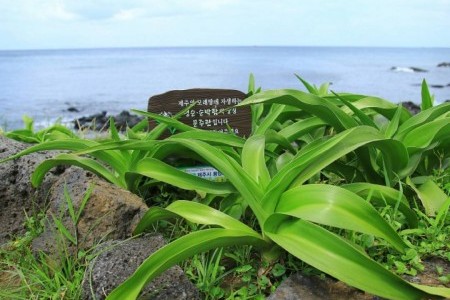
pixel 51 85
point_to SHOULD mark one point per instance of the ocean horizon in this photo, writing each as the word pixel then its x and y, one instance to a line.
pixel 44 84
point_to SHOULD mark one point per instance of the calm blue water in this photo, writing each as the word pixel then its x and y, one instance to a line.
pixel 44 83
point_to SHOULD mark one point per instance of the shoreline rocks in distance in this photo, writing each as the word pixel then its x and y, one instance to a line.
pixel 100 121
pixel 412 107
pixel 444 64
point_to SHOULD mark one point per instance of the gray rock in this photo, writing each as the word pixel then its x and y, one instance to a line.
pixel 299 287
pixel 411 107
pixel 17 195
pixel 119 260
pixel 444 64
pixel 110 213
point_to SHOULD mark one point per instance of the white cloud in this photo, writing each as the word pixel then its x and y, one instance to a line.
pixel 104 23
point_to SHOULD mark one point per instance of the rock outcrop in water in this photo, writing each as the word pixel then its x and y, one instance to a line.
pixel 408 69
pixel 444 64
pixel 411 106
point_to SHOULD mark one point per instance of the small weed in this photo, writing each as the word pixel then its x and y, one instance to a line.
pixel 26 274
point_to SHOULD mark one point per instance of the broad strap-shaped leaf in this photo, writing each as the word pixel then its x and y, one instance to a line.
pixel 277 140
pixel 423 136
pixel 311 89
pixel 301 127
pixel 381 195
pixel 319 154
pixel 334 206
pixel 392 126
pixel 380 106
pixel 333 255
pixel 161 171
pixel 179 250
pixel 423 117
pixel 427 98
pixel 114 159
pixel 193 212
pixel 74 160
pixel 171 122
pixel 270 118
pixel 212 137
pixel 254 161
pixel 251 84
pixel 363 118
pixel 430 195
pixel 314 105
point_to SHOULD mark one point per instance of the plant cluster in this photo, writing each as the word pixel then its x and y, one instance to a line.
pixel 335 180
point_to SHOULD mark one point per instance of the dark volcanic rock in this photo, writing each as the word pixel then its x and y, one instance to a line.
pixel 93 122
pixel 444 64
pixel 299 287
pixel 110 212
pixel 119 260
pixel 411 106
pixel 17 195
pixel 100 121
pixel 73 109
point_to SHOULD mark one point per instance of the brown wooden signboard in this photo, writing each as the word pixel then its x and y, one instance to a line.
pixel 214 109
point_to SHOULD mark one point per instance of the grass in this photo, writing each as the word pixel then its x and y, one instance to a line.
pixel 336 184
pixel 29 274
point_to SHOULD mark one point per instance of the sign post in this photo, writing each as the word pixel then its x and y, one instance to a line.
pixel 213 110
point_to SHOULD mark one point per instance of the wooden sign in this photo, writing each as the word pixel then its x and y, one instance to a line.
pixel 214 109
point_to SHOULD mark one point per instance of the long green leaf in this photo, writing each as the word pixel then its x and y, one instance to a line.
pixel 114 159
pixel 423 117
pixel 381 195
pixel 74 160
pixel 311 89
pixel 212 137
pixel 253 160
pixel 301 127
pixel 193 212
pixel 380 106
pixel 430 195
pixel 161 171
pixel 178 250
pixel 172 122
pixel 270 118
pixel 337 207
pixel 423 136
pixel 364 119
pixel 393 124
pixel 427 98
pixel 333 255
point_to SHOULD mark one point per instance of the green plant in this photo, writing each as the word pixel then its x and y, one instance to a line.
pixel 29 135
pixel 283 214
pixel 25 274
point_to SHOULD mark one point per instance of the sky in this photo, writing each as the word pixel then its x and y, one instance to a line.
pixel 61 24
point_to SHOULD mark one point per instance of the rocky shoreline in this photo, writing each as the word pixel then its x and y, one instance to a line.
pixel 100 121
